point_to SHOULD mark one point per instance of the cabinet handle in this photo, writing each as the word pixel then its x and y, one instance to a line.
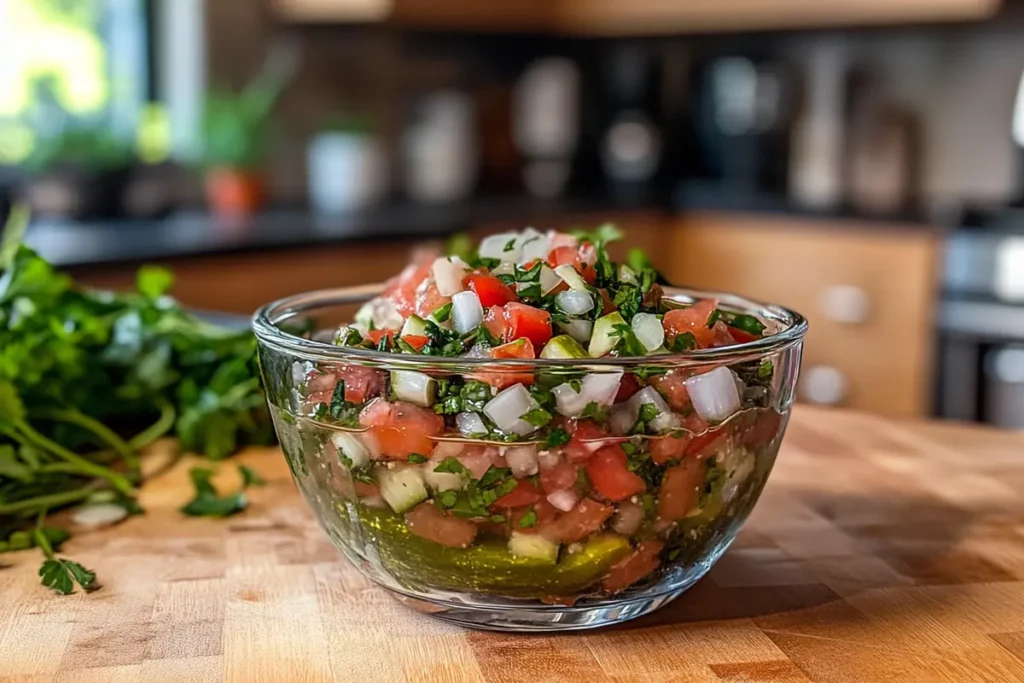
pixel 846 304
pixel 823 385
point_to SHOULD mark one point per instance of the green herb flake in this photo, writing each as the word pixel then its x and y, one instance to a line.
pixel 510 245
pixel 417 458
pixel 447 499
pixel 556 437
pixel 452 466
pixel 538 417
pixel 494 475
pixel 683 342
pixel 250 477
pixel 713 318
pixel 529 519
pixel 443 313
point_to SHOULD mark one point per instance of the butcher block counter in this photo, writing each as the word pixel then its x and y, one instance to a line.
pixel 880 551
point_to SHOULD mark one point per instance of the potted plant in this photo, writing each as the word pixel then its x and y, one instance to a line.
pixel 236 127
pixel 77 173
pixel 346 167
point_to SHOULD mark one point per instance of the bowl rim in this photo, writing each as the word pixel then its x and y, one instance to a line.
pixel 266 321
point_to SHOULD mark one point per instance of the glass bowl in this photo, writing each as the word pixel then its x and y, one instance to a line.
pixel 511 529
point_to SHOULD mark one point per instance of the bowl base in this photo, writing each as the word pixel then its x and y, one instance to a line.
pixel 540 618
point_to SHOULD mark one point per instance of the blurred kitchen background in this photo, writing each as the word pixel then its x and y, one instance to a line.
pixel 857 160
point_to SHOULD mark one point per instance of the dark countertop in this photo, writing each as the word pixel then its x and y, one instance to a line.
pixel 197 233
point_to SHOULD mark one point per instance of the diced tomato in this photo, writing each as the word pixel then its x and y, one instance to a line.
pixel 587 517
pixel 376 335
pixel 529 322
pixel 765 427
pixel 494 321
pixel 610 476
pixel 582 258
pixel 479 459
pixel 693 320
pixel 401 289
pixel 579 449
pixel 361 383
pixel 563 239
pixel 705 443
pixel 668 448
pixel 401 428
pixel 631 569
pixel 490 290
pixel 608 305
pixel 628 386
pixel 365 490
pixel 525 493
pixel 741 336
pixel 561 476
pixel 426 521
pixel 521 348
pixel 416 341
pixel 680 488
pixel 428 298
pixel 671 386
pixel 545 512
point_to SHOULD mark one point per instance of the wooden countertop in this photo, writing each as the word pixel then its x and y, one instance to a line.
pixel 880 551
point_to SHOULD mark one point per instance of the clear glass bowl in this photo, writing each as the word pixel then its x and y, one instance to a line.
pixel 604 562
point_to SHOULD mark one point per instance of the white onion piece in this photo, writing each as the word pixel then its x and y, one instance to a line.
pixel 522 460
pixel 507 408
pixel 441 481
pixel 504 268
pixel 103 514
pixel 533 245
pixel 649 331
pixel 580 330
pixel 470 424
pixel 628 518
pixel 478 351
pixel 627 275
pixel 494 247
pixel 571 277
pixel 624 416
pixel 563 500
pixel 548 459
pixel 714 394
pixel 599 388
pixel 574 302
pixel 621 419
pixel 378 313
pixel 448 273
pixel 548 280
pixel 351 447
pixel 467 313
pixel 414 387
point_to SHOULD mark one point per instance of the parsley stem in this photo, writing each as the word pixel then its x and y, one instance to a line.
pixel 98 429
pixel 86 467
pixel 157 429
pixel 48 501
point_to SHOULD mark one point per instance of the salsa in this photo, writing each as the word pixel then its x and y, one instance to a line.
pixel 545 481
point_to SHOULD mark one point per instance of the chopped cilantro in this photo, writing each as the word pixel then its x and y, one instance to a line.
pixel 447 499
pixel 494 475
pixel 443 313
pixel 713 318
pixel 746 323
pixel 510 245
pixel 529 519
pixel 646 413
pixel 765 370
pixel 345 412
pixel 538 417
pixel 417 458
pixel 683 342
pixel 452 466
pixel 556 437
pixel 628 344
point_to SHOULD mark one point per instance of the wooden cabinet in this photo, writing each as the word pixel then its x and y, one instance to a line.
pixel 647 17
pixel 867 291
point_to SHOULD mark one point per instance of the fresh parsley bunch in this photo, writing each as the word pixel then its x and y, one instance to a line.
pixel 88 379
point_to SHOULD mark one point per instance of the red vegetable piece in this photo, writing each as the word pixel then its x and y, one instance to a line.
pixel 632 568
pixel 525 493
pixel 426 521
pixel 587 517
pixel 680 489
pixel 401 428
pixel 693 320
pixel 490 290
pixel 610 476
pixel 529 322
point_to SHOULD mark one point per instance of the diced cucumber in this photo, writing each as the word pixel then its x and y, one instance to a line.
pixel 533 546
pixel 563 346
pixel 441 481
pixel 402 488
pixel 414 326
pixel 604 337
pixel 351 451
pixel 571 277
pixel 414 387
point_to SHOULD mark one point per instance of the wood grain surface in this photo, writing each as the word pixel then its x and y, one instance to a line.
pixel 880 551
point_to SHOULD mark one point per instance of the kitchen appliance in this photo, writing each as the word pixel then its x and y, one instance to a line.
pixel 743 121
pixel 981 322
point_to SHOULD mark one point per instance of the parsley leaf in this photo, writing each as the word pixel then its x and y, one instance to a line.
pixel 494 475
pixel 646 413
pixel 556 437
pixel 746 323
pixel 447 499
pixel 345 412
pixel 452 466
pixel 628 344
pixel 713 318
pixel 443 313
pixel 62 575
pixel 683 342
pixel 528 519
pixel 510 245
pixel 628 300
pixel 538 417
pixel 207 501
pixel 417 458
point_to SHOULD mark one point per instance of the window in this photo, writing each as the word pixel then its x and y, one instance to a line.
pixel 70 65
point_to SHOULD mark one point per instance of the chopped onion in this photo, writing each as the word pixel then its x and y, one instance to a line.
pixel 414 387
pixel 628 518
pixel 378 313
pixel 494 247
pixel 507 408
pixel 571 277
pixel 448 273
pixel 627 275
pixel 580 330
pixel 563 500
pixel 548 459
pixel 103 514
pixel 548 280
pixel 714 394
pixel 574 302
pixel 522 460
pixel 624 416
pixel 649 331
pixel 478 351
pixel 351 447
pixel 467 313
pixel 599 388
pixel 441 481
pixel 470 424
pixel 533 245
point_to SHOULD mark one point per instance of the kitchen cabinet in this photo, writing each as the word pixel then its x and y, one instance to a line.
pixel 640 17
pixel 867 290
